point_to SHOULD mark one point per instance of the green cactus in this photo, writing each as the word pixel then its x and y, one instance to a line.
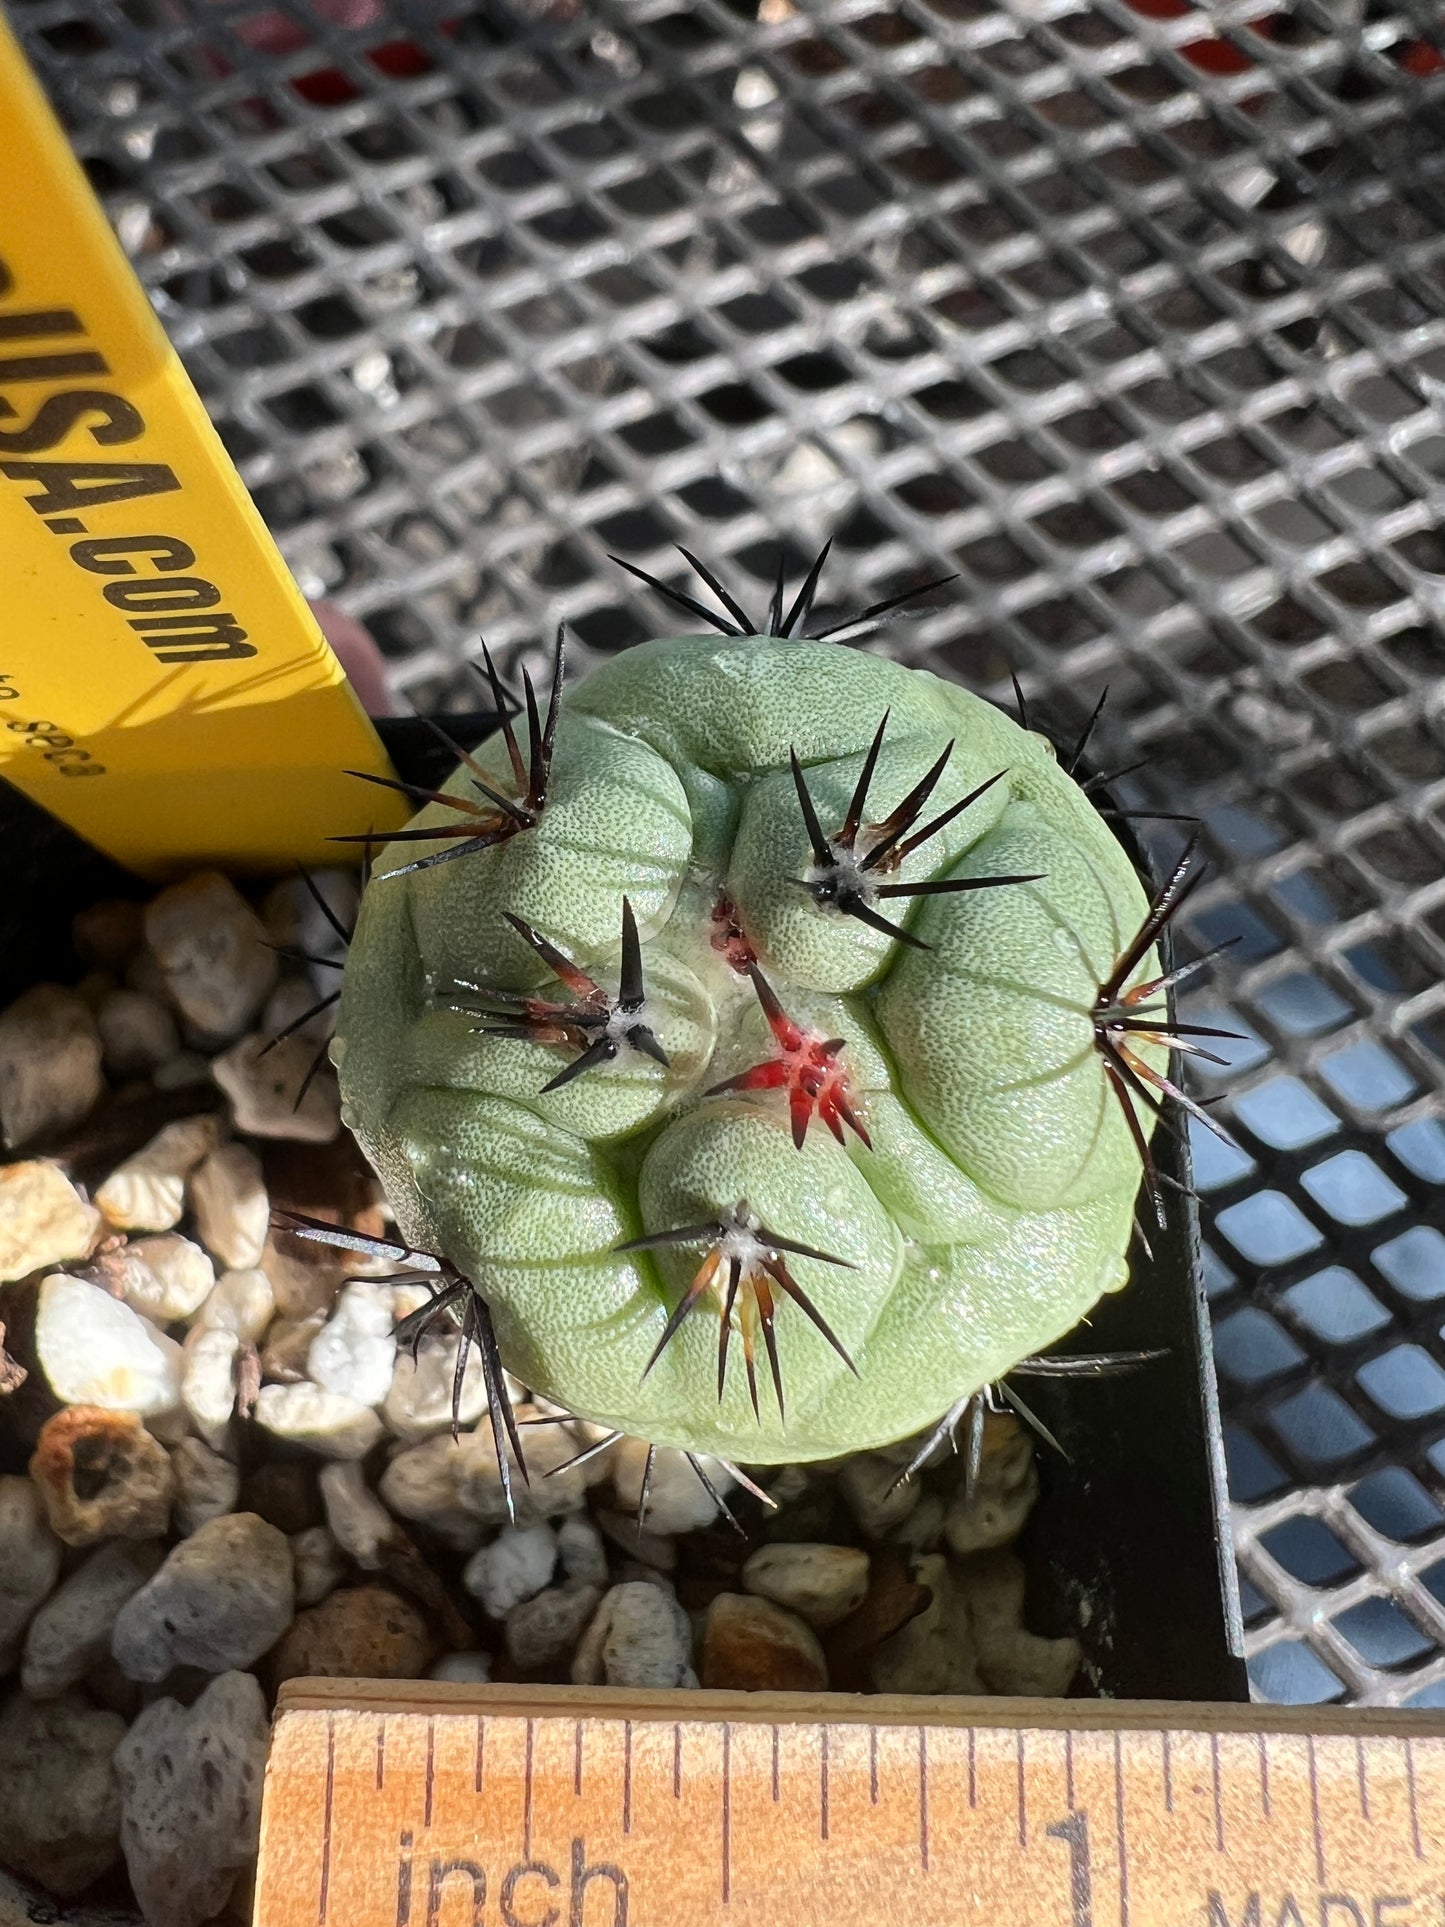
pixel 773 1041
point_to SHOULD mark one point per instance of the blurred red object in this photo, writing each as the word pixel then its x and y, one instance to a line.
pixel 359 656
pixel 273 32
pixel 1211 54
pixel 1216 56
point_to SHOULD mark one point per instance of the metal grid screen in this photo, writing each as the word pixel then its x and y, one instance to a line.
pixel 1137 323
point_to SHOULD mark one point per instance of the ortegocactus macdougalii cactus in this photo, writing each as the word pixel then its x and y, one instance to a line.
pixel 765 1040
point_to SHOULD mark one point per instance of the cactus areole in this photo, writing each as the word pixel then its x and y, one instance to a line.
pixel 769 1036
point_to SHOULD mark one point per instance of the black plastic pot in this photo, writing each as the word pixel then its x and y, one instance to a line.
pixel 1128 1546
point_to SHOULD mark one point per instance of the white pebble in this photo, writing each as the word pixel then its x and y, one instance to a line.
pixel 551 1492
pixel 120 1272
pixel 1010 1658
pixel 637 1572
pixel 208 1381
pixel 359 1522
pixel 787 1484
pixel 137 1033
pixel 263 1083
pixel 922 1530
pixel 29 1562
pixel 517 1565
pixel 43 1219
pixel 227 1197
pixel 874 1494
pixel 581 1551
pixel 821 1584
pixel 294 920
pixel 934 1652
pixel 424 1483
pixel 319 1564
pixel 640 1637
pixel 190 1784
pixel 991 1511
pixel 302 1285
pixel 287 1342
pixel 241 1302
pixel 655 1549
pixel 327 1422
pixel 96 1351
pixel 171 1277
pixel 148 1191
pixel 419 1399
pixel 677 1499
pixel 207 1485
pixel 354 1352
pixel 290 1001
pixel 463 1669
pixel 50 1073
pixel 212 953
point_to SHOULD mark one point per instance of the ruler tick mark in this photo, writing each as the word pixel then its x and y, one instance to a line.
pixel 481 1749
pixel 1119 1828
pixel 923 1797
pixel 417 1859
pixel 1315 1825
pixel 65 525
pixel 403 1880
pixel 1023 1791
pixel 1168 1773
pixel 527 1794
pixel 777 1784
pixel 727 1816
pixel 326 1817
pixel 1218 1792
pixel 1414 1802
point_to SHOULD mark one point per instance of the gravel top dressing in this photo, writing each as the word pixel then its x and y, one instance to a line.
pixel 759 1050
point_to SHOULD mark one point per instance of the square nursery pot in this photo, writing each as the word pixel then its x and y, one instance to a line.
pixel 1128 1545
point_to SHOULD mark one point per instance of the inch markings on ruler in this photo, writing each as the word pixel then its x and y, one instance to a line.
pixel 536 1807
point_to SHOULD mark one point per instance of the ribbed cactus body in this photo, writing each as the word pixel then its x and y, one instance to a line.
pixel 991 1203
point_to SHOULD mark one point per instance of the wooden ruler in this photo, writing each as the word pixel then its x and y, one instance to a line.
pixel 163 687
pixel 420 1806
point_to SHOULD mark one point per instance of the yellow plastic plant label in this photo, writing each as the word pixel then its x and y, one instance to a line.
pixel 164 688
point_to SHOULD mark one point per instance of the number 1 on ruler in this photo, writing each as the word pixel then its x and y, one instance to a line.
pixel 1075 1833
